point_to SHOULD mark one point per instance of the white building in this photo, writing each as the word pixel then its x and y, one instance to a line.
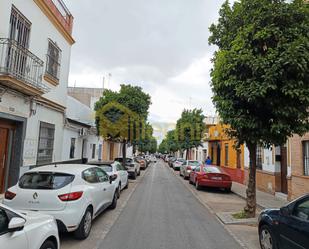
pixel 80 140
pixel 35 48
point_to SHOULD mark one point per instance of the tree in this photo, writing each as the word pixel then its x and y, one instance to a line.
pixel 121 116
pixel 260 77
pixel 189 129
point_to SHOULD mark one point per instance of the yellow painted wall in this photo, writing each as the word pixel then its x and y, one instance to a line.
pixel 217 136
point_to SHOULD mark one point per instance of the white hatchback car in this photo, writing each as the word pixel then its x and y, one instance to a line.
pixel 74 194
pixel 117 170
pixel 27 230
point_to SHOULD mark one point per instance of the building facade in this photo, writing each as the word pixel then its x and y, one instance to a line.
pixel 35 50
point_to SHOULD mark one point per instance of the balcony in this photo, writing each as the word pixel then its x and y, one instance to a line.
pixel 20 69
pixel 59 15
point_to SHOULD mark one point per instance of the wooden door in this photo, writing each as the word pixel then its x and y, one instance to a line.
pixel 284 170
pixel 111 151
pixel 4 137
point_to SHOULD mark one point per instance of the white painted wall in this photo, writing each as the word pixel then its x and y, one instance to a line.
pixel 41 30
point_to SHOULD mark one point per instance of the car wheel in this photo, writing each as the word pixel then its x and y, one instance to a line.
pixel 48 245
pixel 197 186
pixel 267 239
pixel 118 191
pixel 228 190
pixel 127 184
pixel 134 175
pixel 85 225
pixel 114 203
pixel 139 173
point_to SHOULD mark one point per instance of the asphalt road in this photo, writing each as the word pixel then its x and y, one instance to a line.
pixel 163 213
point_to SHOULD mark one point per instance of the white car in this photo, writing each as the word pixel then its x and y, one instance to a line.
pixel 187 166
pixel 27 230
pixel 117 170
pixel 74 194
pixel 132 166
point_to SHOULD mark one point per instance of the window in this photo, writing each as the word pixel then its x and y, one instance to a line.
pixel 301 210
pixel 19 28
pixel 4 221
pixel 101 174
pixel 46 143
pixel 72 148
pixel 90 176
pixel 53 60
pixel 45 180
pixel 226 146
pixel 93 150
pixel 259 157
pixel 306 157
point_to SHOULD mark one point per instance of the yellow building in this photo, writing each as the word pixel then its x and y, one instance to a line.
pixel 223 153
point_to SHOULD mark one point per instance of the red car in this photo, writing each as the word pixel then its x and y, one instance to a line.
pixel 210 176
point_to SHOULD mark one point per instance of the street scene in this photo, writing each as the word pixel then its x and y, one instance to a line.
pixel 154 124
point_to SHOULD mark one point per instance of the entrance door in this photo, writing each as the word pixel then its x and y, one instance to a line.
pixel 4 138
pixel 111 151
pixel 284 170
pixel 218 155
pixel 238 159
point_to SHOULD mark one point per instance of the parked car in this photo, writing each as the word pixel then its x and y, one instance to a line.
pixel 287 227
pixel 177 163
pixel 210 176
pixel 117 170
pixel 171 160
pixel 30 230
pixel 187 166
pixel 74 194
pixel 142 162
pixel 133 167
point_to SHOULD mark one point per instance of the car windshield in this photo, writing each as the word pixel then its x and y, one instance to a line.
pixel 120 160
pixel 193 163
pixel 211 170
pixel 45 180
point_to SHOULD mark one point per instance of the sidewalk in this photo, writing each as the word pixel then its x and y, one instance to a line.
pixel 264 200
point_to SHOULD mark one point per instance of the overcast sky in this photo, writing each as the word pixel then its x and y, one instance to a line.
pixel 160 45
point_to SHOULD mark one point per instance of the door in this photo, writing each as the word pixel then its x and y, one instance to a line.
pixel 218 155
pixel 106 189
pixel 4 138
pixel 239 159
pixel 284 170
pixel 294 227
pixel 111 151
pixel 123 174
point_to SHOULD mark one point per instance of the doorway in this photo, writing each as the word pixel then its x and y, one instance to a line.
pixel 284 170
pixel 218 155
pixel 4 145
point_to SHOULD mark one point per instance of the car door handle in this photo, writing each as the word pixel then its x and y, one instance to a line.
pixel 104 189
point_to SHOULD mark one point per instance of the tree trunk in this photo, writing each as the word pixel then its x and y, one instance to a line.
pixel 251 189
pixel 124 153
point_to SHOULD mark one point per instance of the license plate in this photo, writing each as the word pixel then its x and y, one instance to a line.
pixel 217 178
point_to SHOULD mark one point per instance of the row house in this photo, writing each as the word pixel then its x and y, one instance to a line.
pixel 35 48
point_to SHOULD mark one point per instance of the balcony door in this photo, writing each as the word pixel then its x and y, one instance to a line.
pixel 18 43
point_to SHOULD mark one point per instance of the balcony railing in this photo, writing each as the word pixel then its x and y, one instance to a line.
pixel 62 13
pixel 20 64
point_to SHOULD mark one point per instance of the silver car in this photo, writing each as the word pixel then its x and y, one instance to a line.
pixel 187 167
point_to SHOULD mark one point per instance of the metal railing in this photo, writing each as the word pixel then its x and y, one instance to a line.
pixel 20 63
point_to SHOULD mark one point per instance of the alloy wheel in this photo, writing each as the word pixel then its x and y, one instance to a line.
pixel 266 239
pixel 87 222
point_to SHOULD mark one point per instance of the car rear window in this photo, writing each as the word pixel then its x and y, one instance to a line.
pixel 107 168
pixel 208 169
pixel 45 180
pixel 193 163
pixel 128 160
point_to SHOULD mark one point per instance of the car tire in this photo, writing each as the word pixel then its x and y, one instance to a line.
pixel 114 202
pixel 197 186
pixel 85 225
pixel 127 186
pixel 139 173
pixel 134 175
pixel 228 190
pixel 48 245
pixel 269 238
pixel 118 191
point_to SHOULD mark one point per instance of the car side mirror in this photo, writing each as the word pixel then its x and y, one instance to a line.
pixel 285 211
pixel 112 178
pixel 16 224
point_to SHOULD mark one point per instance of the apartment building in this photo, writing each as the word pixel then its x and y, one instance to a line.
pixel 35 48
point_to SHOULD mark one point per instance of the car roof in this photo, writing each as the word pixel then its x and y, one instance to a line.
pixel 99 162
pixel 62 168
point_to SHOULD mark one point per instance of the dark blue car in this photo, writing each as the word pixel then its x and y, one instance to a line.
pixel 287 227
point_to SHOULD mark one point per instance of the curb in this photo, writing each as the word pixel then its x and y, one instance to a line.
pixel 244 198
pixel 212 212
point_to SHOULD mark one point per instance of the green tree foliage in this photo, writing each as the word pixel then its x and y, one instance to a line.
pixel 260 78
pixel 121 116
